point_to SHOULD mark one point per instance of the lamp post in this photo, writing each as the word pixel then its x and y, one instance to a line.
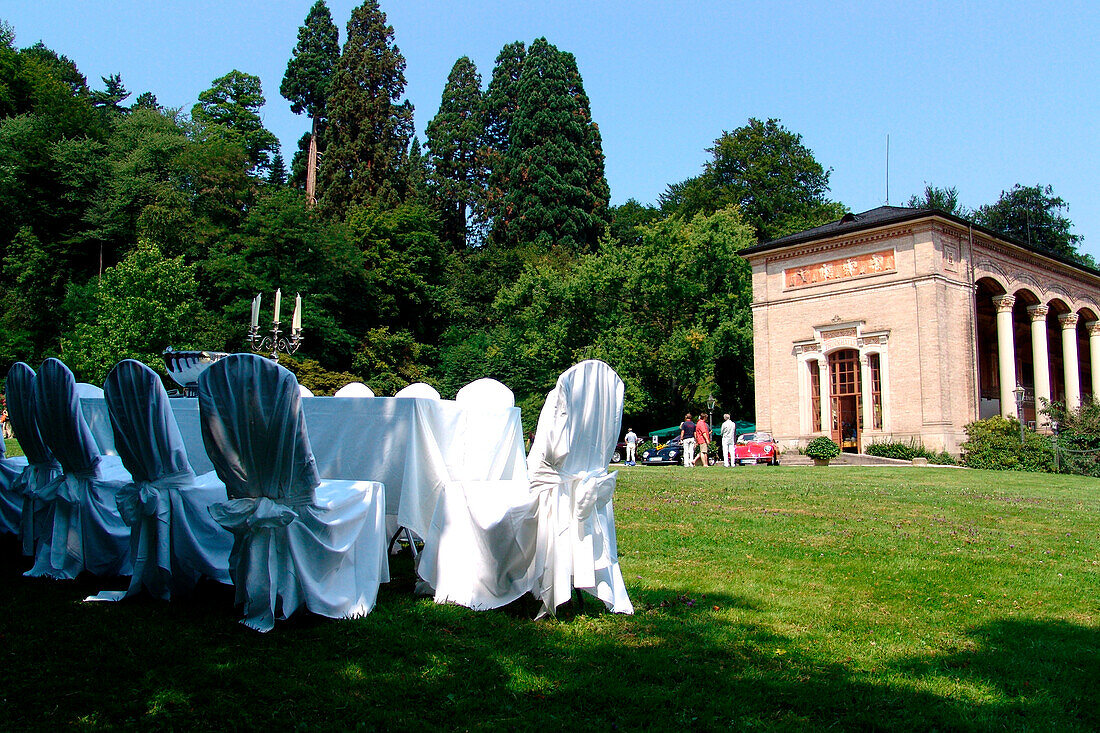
pixel 1019 393
pixel 275 342
pixel 1054 435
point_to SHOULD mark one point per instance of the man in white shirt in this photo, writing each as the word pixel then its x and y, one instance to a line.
pixel 631 440
pixel 729 439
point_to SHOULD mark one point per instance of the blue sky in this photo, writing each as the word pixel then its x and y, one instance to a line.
pixel 977 95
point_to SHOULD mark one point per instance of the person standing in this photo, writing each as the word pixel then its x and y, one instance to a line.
pixel 729 440
pixel 687 439
pixel 702 439
pixel 631 440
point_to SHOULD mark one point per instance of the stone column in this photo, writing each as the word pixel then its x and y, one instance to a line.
pixel 1069 356
pixel 1041 357
pixel 1006 354
pixel 826 390
pixel 1094 357
pixel 865 392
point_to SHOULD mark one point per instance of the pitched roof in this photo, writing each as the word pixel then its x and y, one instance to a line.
pixel 886 215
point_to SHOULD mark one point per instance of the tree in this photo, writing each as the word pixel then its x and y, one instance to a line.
pixel 628 220
pixel 109 100
pixel 1032 215
pixel 499 108
pixel 768 173
pixel 140 306
pixel 277 175
pixel 232 106
pixel 147 100
pixel 308 76
pixel 143 194
pixel 454 139
pixel 368 132
pixel 556 193
pixel 299 163
pixel 939 199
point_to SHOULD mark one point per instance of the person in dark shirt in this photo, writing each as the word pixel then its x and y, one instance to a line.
pixel 687 439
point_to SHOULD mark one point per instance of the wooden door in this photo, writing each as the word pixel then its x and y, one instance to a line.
pixel 844 395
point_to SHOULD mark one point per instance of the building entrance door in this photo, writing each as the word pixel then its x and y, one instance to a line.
pixel 845 398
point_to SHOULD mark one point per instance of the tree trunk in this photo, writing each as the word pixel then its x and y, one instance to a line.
pixel 311 167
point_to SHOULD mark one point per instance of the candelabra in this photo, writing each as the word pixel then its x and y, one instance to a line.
pixel 276 342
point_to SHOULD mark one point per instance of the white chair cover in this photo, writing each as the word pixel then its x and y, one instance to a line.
pixel 11 500
pixel 88 391
pixel 173 539
pixel 486 394
pixel 480 548
pixel 88 532
pixel 576 435
pixel 297 540
pixel 419 389
pixel 36 515
pixel 304 391
pixel 354 389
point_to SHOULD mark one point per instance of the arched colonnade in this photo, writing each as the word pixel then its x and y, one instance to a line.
pixel 1043 340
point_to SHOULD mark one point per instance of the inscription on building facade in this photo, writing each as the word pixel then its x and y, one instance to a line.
pixel 873 263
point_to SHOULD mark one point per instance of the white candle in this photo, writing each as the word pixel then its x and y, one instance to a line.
pixel 296 320
pixel 278 303
pixel 256 311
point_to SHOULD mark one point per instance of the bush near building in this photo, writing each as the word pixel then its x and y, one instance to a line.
pixel 995 444
pixel 1078 441
pixel 909 451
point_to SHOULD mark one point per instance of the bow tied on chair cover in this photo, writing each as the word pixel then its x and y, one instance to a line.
pixel 146 507
pixel 34 477
pixel 253 513
pixel 259 547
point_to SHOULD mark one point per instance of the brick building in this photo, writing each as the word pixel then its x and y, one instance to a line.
pixel 903 323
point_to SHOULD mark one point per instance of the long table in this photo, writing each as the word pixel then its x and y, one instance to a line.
pixel 412 445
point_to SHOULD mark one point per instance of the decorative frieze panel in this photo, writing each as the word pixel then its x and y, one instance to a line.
pixel 871 263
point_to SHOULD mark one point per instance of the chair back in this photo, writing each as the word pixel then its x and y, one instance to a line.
pixel 87 391
pixel 61 421
pixel 354 389
pixel 254 430
pixel 304 391
pixel 486 394
pixel 147 438
pixel 580 421
pixel 419 389
pixel 23 413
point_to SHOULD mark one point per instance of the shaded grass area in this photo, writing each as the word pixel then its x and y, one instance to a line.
pixel 793 598
pixel 11 447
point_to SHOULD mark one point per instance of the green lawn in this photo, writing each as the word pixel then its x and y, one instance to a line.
pixel 794 598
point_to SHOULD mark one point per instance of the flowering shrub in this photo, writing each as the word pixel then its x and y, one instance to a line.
pixel 822 448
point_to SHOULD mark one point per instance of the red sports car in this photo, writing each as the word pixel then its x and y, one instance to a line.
pixel 753 448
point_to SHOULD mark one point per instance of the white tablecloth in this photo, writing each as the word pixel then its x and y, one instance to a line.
pixel 412 445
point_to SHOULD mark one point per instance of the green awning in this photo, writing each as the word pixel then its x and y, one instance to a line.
pixel 743 426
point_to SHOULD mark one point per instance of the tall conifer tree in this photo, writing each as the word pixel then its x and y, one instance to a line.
pixel 368 132
pixel 454 137
pixel 308 76
pixel 500 105
pixel 556 192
